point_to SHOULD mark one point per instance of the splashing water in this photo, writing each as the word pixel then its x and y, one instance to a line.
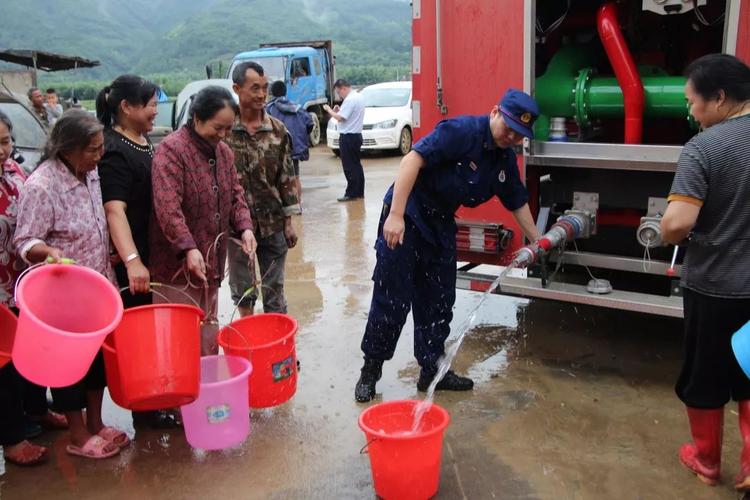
pixel 447 359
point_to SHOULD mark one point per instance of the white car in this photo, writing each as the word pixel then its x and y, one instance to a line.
pixel 185 98
pixel 387 123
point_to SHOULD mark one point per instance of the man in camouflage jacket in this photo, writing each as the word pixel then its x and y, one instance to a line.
pixel 263 158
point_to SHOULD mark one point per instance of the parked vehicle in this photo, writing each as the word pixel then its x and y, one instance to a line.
pixel 184 99
pixel 29 134
pixel 603 177
pixel 163 122
pixel 308 70
pixel 387 123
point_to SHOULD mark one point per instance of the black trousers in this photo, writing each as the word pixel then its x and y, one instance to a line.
pixel 349 149
pixel 34 399
pixel 11 406
pixel 34 396
pixel 73 397
pixel 416 276
pixel 710 374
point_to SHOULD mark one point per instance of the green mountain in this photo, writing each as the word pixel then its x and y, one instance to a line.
pixel 179 37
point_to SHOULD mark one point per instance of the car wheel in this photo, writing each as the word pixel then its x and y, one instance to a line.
pixel 404 143
pixel 315 132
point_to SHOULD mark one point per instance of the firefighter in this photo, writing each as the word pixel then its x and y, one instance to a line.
pixel 465 161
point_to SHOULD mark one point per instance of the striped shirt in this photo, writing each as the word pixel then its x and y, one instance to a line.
pixel 713 172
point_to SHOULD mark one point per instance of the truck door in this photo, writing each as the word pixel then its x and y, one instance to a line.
pixel 302 87
pixel 320 77
pixel 738 39
pixel 466 53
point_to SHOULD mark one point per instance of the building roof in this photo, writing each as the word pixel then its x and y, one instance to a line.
pixel 46 61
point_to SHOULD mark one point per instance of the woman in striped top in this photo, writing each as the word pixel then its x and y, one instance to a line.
pixel 708 205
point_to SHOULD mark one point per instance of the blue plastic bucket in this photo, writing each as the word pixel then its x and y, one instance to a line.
pixel 741 347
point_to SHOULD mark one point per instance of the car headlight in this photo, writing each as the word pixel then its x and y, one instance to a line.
pixel 386 124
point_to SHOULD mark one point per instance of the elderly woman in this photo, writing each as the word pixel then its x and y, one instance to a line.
pixel 708 204
pixel 16 448
pixel 61 214
pixel 198 204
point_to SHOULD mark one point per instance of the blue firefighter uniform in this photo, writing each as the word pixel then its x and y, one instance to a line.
pixel 463 166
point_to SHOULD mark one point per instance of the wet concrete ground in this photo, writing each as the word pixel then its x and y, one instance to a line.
pixel 569 403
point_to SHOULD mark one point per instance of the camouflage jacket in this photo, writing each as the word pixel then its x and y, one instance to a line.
pixel 264 164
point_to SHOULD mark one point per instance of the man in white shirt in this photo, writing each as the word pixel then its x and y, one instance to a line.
pixel 350 116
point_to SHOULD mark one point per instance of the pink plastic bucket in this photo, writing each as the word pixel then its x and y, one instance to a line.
pixel 66 311
pixel 220 417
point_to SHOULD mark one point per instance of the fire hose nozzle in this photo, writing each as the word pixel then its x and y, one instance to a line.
pixel 567 228
pixel 526 256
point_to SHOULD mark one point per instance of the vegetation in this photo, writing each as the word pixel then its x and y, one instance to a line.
pixel 171 41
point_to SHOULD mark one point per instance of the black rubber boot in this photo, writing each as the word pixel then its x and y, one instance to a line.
pixel 450 382
pixel 371 372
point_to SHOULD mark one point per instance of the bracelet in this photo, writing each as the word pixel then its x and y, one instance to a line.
pixel 131 257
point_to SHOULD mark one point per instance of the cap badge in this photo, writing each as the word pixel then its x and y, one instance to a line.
pixel 525 118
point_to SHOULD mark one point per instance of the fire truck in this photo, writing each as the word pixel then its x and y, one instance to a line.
pixel 609 79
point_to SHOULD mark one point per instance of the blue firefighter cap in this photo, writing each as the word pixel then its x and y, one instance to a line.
pixel 520 110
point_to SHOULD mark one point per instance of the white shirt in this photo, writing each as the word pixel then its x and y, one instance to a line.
pixel 353 112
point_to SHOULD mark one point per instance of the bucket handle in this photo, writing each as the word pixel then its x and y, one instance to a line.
pixel 363 450
pixel 247 344
pixel 48 260
pixel 154 283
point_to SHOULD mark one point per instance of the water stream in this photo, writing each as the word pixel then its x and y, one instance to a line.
pixel 447 359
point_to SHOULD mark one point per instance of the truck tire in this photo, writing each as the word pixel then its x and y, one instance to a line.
pixel 404 143
pixel 315 133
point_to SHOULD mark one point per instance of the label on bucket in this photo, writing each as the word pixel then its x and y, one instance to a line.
pixel 217 414
pixel 283 369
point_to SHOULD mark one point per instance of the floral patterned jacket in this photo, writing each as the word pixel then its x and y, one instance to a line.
pixel 59 210
pixel 197 196
pixel 11 181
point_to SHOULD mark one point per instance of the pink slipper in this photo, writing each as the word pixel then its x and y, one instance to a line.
pixel 94 448
pixel 114 436
pixel 25 453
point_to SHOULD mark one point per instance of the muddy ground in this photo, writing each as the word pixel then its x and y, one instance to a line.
pixel 570 402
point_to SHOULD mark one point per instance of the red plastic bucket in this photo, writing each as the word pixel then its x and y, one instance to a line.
pixel 405 464
pixel 153 357
pixel 114 385
pixel 8 322
pixel 267 340
pixel 66 311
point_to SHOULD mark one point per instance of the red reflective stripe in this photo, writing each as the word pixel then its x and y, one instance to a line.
pixel 479 286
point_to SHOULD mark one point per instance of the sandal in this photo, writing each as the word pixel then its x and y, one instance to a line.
pixel 95 448
pixel 53 421
pixel 114 436
pixel 26 454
